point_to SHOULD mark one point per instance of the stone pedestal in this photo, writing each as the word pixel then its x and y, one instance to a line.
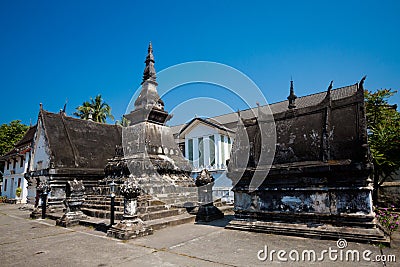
pixel 73 203
pixel 36 213
pixel 206 211
pixel 71 218
pixel 42 190
pixel 130 226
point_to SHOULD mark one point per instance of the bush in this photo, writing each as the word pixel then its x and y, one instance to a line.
pixel 387 218
pixel 18 191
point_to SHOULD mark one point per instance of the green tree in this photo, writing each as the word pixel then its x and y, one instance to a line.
pixel 383 124
pixel 124 122
pixel 96 109
pixel 9 135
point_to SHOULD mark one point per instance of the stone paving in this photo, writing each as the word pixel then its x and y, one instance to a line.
pixel 27 242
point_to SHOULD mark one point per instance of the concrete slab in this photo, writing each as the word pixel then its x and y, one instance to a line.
pixel 40 243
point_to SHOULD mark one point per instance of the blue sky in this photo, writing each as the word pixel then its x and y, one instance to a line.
pixel 51 51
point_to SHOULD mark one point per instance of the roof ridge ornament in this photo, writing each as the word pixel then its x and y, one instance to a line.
pixel 292 97
pixel 361 83
pixel 330 88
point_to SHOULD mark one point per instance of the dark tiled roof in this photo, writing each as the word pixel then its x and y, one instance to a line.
pixel 76 143
pixel 229 120
pixel 210 122
pixel 28 137
pixel 9 154
pixel 314 99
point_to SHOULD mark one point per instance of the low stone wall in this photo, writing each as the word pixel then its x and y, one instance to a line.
pixel 389 194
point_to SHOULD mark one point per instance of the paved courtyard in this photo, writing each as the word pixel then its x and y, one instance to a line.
pixel 26 242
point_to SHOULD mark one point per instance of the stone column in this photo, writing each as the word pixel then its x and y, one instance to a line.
pixel 196 153
pixel 207 158
pixel 131 226
pixel 207 211
pixel 217 151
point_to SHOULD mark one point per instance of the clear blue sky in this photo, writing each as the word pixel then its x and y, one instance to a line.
pixel 51 51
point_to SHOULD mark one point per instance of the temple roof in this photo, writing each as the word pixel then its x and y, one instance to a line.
pixel 209 122
pixel 28 137
pixel 230 120
pixel 77 143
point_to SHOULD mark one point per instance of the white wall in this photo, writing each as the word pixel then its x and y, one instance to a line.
pixel 9 188
pixel 201 130
pixel 40 154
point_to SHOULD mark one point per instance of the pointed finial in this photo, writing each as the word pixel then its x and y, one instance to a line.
pixel 292 97
pixel 361 84
pixel 330 88
pixel 40 106
pixel 149 72
pixel 65 105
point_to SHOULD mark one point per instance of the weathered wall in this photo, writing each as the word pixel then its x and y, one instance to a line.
pixel 320 171
pixel 41 152
pixel 389 194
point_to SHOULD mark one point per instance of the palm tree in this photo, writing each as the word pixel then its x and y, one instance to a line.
pixel 124 122
pixel 96 109
pixel 84 111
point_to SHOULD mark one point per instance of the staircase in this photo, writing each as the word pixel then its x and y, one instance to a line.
pixel 156 213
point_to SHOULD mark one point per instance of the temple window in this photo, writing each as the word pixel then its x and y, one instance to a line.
pixel 190 150
pixel 212 150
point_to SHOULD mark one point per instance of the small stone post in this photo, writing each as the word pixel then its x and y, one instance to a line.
pixel 131 226
pixel 207 211
pixel 42 190
pixel 73 202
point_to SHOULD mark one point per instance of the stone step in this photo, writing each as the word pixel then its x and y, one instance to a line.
pixel 102 206
pixel 149 203
pixel 118 199
pixel 104 214
pixel 106 203
pixel 160 214
pixel 171 221
pixel 324 231
pixel 168 201
pixel 156 224
pixel 141 209
pixel 145 216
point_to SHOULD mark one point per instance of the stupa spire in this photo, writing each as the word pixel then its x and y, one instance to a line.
pixel 148 105
pixel 292 97
pixel 149 72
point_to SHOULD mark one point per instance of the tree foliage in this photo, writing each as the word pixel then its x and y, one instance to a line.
pixel 10 134
pixel 96 109
pixel 124 122
pixel 383 124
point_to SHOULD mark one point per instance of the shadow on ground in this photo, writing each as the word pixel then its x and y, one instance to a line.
pixel 218 223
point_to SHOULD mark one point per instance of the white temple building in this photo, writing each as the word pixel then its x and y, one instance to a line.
pixel 207 145
pixel 15 166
